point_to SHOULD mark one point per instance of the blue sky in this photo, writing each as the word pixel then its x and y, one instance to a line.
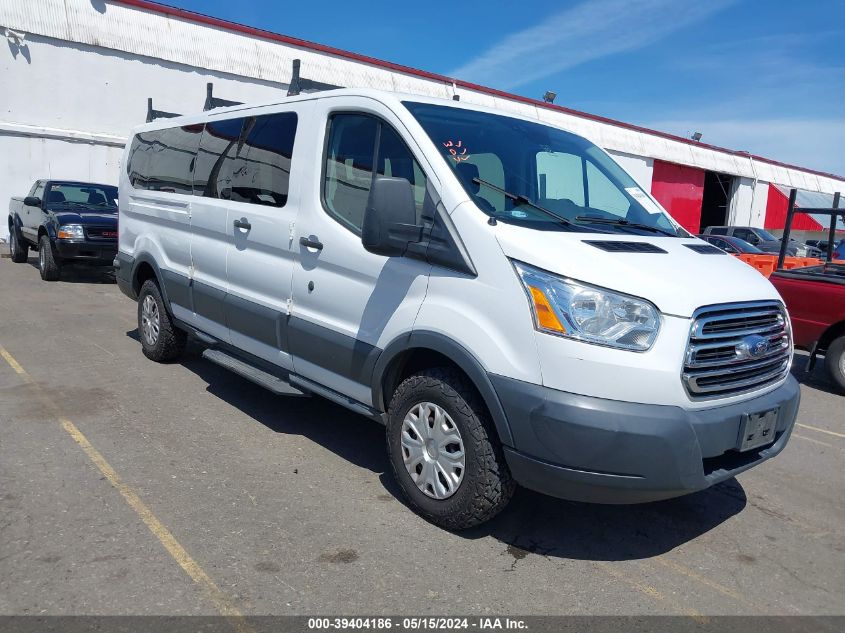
pixel 761 76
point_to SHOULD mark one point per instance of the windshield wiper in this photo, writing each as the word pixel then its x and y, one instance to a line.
pixel 624 222
pixel 521 199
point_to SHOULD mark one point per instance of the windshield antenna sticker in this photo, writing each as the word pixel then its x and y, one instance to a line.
pixel 457 150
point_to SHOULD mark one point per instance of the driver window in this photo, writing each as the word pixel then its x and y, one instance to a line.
pixel 353 160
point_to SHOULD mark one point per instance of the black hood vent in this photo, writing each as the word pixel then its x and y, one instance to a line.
pixel 625 247
pixel 705 249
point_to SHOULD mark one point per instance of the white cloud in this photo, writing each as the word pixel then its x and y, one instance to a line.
pixel 587 31
pixel 815 143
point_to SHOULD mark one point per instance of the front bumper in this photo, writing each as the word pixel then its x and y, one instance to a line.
pixel 100 252
pixel 606 451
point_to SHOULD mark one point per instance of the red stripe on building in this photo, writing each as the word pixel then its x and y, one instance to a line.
pixel 776 208
pixel 680 189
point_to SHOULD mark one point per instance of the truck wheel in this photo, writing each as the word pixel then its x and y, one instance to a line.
pixel 834 359
pixel 48 263
pixel 161 341
pixel 444 450
pixel 18 249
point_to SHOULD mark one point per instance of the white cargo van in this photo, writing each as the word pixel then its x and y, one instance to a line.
pixel 497 292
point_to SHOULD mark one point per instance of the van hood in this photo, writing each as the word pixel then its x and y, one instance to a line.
pixel 678 281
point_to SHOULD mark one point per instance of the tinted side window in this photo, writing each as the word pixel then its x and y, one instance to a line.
pixel 136 164
pixel 162 160
pixel 172 159
pixel 215 159
pixel 262 172
pixel 350 157
pixel 743 234
pixel 719 231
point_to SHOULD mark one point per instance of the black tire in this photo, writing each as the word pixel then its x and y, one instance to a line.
pixel 486 486
pixel 168 343
pixel 49 264
pixel 834 360
pixel 17 247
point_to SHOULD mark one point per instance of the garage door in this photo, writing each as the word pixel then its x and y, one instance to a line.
pixel 680 190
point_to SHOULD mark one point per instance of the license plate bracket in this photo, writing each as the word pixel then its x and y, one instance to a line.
pixel 757 429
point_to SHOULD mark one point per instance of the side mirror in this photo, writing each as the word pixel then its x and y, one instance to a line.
pixel 390 217
pixel 32 201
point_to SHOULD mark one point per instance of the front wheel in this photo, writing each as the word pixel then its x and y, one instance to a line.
pixel 444 450
pixel 161 340
pixel 18 249
pixel 49 264
pixel 834 360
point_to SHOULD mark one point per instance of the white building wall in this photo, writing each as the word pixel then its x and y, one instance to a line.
pixel 747 204
pixel 69 108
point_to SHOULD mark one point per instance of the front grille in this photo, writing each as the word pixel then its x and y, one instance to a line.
pixel 101 232
pixel 736 348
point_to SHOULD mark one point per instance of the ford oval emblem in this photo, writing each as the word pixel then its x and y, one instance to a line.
pixel 753 346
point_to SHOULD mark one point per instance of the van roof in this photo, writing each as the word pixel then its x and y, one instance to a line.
pixel 384 96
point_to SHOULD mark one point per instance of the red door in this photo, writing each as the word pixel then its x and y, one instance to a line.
pixel 679 189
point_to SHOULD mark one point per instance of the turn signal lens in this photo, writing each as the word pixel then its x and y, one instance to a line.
pixel 546 317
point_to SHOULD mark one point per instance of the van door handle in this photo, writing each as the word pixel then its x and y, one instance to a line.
pixel 243 224
pixel 307 242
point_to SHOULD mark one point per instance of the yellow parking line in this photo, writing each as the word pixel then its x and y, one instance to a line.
pixel 648 590
pixel 685 571
pixel 815 428
pixel 222 602
pixel 813 440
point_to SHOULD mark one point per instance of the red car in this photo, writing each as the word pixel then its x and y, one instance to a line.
pixel 815 299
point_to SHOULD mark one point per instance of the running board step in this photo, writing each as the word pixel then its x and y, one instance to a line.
pixel 260 377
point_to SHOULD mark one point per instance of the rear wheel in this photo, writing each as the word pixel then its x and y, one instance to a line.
pixel 834 360
pixel 48 262
pixel 161 340
pixel 18 248
pixel 444 450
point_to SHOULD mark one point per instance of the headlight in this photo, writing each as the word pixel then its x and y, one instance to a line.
pixel 568 308
pixel 71 232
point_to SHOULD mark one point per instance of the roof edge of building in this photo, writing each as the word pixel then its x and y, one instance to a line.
pixel 201 18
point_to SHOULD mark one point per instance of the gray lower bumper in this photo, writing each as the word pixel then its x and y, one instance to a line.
pixel 605 451
pixel 123 265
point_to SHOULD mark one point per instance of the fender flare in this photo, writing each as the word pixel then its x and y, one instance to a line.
pixel 50 230
pixel 458 354
pixel 15 222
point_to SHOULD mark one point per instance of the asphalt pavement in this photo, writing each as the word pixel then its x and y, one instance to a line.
pixel 129 487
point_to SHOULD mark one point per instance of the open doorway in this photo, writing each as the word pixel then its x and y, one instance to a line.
pixel 714 201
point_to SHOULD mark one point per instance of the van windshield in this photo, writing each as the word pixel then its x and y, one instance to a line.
pixel 538 176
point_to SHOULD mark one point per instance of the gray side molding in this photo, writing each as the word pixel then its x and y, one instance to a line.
pixel 458 354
